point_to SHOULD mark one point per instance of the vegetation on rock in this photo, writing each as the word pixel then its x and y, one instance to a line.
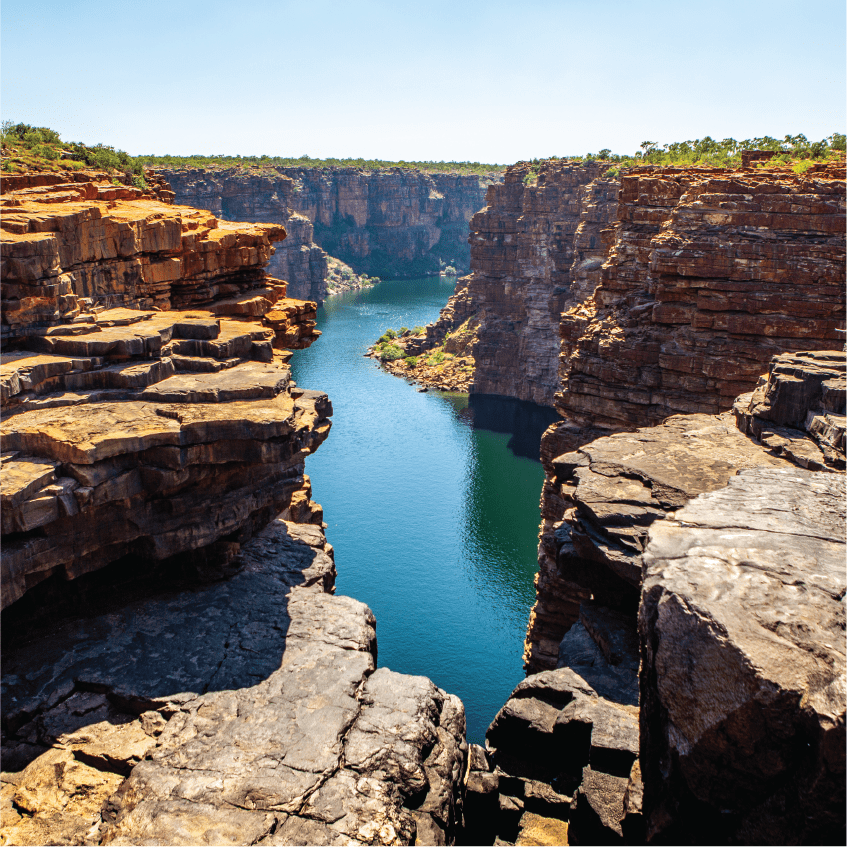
pixel 707 151
pixel 26 148
pixel 260 163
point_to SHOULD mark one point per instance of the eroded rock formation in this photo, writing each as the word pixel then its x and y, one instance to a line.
pixel 741 619
pixel 245 711
pixel 709 275
pixel 743 674
pixel 176 668
pixel 234 195
pixel 395 222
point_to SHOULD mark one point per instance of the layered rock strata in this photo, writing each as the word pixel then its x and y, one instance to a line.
pixel 742 624
pixel 234 195
pixel 394 222
pixel 69 248
pixel 121 424
pixel 176 667
pixel 798 409
pixel 709 275
pixel 244 711
pixel 536 249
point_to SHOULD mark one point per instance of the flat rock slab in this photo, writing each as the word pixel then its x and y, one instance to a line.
pixel 671 459
pixel 743 616
pixel 248 711
pixel 247 381
pixel 86 434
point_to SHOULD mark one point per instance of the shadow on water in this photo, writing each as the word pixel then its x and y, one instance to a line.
pixel 525 422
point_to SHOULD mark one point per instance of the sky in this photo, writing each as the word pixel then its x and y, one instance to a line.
pixel 490 81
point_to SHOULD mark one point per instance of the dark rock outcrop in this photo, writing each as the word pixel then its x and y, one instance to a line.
pixel 709 275
pixel 743 674
pixel 803 397
pixel 744 577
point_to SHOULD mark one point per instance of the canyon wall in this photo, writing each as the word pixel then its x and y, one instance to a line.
pixel 709 275
pixel 535 251
pixel 176 666
pixel 721 718
pixel 675 543
pixel 234 195
pixel 391 223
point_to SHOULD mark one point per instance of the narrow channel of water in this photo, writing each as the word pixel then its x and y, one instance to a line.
pixel 432 502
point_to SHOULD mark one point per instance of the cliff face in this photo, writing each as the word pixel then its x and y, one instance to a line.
pixel 730 551
pixel 176 668
pixel 395 222
pixel 113 415
pixel 535 250
pixel 390 223
pixel 709 275
pixel 236 196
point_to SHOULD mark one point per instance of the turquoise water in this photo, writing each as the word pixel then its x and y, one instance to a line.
pixel 433 517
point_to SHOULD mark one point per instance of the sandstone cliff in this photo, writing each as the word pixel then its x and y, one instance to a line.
pixel 709 275
pixel 704 278
pixel 237 196
pixel 393 222
pixel 176 666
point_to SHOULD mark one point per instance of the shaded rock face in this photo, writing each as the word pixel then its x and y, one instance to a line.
pixel 394 222
pixel 391 223
pixel 798 410
pixel 748 543
pixel 602 499
pixel 708 276
pixel 563 750
pixel 245 711
pixel 536 249
pixel 743 672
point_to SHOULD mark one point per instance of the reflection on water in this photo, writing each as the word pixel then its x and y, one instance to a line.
pixel 431 500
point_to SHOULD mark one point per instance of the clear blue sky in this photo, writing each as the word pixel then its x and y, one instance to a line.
pixel 488 81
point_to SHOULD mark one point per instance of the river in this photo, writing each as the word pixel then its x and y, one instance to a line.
pixel 431 501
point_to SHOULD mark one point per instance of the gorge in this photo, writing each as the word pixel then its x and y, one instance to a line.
pixel 389 222
pixel 685 653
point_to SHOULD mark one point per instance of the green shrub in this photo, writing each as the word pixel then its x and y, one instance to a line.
pixel 418 331
pixel 411 361
pixel 390 352
pixel 436 358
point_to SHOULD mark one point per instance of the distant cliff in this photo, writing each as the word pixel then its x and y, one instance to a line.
pixel 393 222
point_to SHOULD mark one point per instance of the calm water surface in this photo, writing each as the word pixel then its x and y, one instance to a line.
pixel 433 516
